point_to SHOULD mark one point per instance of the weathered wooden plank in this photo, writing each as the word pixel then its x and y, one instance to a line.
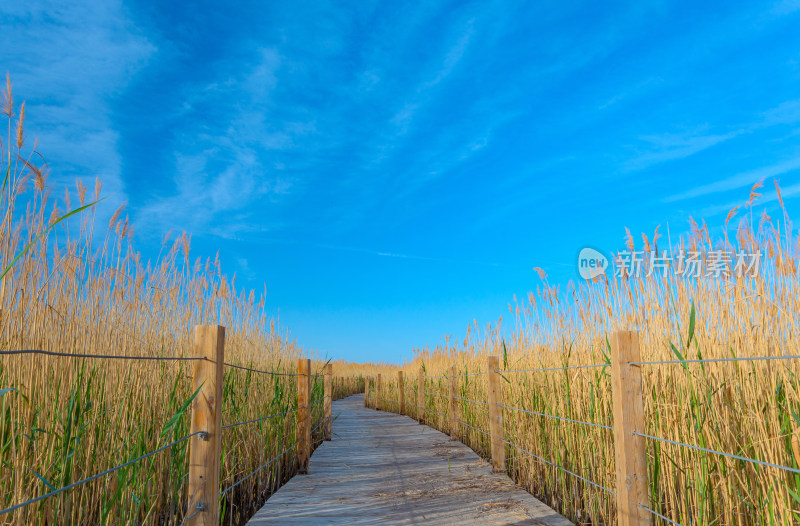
pixel 383 468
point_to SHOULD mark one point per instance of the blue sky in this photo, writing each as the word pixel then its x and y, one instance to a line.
pixel 394 171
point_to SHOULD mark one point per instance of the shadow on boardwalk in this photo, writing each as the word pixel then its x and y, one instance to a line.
pixel 383 468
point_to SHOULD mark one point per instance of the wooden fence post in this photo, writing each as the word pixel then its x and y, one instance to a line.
pixel 303 415
pixel 496 416
pixel 378 394
pixel 366 391
pixel 328 400
pixel 402 391
pixel 205 450
pixel 630 451
pixel 421 395
pixel 453 405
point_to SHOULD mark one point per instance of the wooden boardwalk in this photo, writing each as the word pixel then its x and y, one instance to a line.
pixel 383 468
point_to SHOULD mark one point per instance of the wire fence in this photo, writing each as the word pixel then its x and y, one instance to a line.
pixel 98 475
pixel 468 400
pixel 250 369
pixel 591 424
pixel 721 360
pixel 103 356
pixel 565 368
pixel 260 468
pixel 737 457
pixel 537 457
pixel 228 426
pixel 721 453
pixel 200 434
pixel 472 427
pixel 198 509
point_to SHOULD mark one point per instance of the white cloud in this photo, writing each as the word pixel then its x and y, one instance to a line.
pixel 221 180
pixel 673 146
pixel 68 63
pixel 741 180
pixel 785 7
pixel 786 113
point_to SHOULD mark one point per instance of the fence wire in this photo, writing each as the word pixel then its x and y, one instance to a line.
pixel 473 401
pixel 104 356
pixel 721 453
pixel 258 370
pixel 258 419
pixel 432 411
pixel 659 515
pixel 98 475
pixel 197 510
pixel 556 368
pixel 322 421
pixel 471 427
pixel 592 424
pixel 226 490
pixel 559 467
pixel 717 360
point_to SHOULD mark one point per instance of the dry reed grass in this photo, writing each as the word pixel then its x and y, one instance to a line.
pixel 63 419
pixel 748 408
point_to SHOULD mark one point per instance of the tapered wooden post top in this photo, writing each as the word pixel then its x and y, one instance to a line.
pixel 629 448
pixel 205 449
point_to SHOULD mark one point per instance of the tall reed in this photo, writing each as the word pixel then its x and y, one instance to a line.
pixel 70 285
pixel 748 408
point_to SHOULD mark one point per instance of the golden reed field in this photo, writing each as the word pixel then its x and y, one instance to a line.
pixel 745 408
pixel 63 419
pixel 67 290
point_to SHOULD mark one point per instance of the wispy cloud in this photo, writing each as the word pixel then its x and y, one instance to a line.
pixel 785 7
pixel 741 180
pixel 222 174
pixel 769 197
pixel 74 60
pixel 673 146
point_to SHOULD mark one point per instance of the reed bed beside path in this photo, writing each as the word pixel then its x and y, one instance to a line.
pixel 719 365
pixel 80 292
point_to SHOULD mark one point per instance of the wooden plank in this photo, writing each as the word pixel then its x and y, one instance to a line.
pixel 303 415
pixel 496 416
pixel 205 451
pixel 384 468
pixel 629 449
pixel 328 400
